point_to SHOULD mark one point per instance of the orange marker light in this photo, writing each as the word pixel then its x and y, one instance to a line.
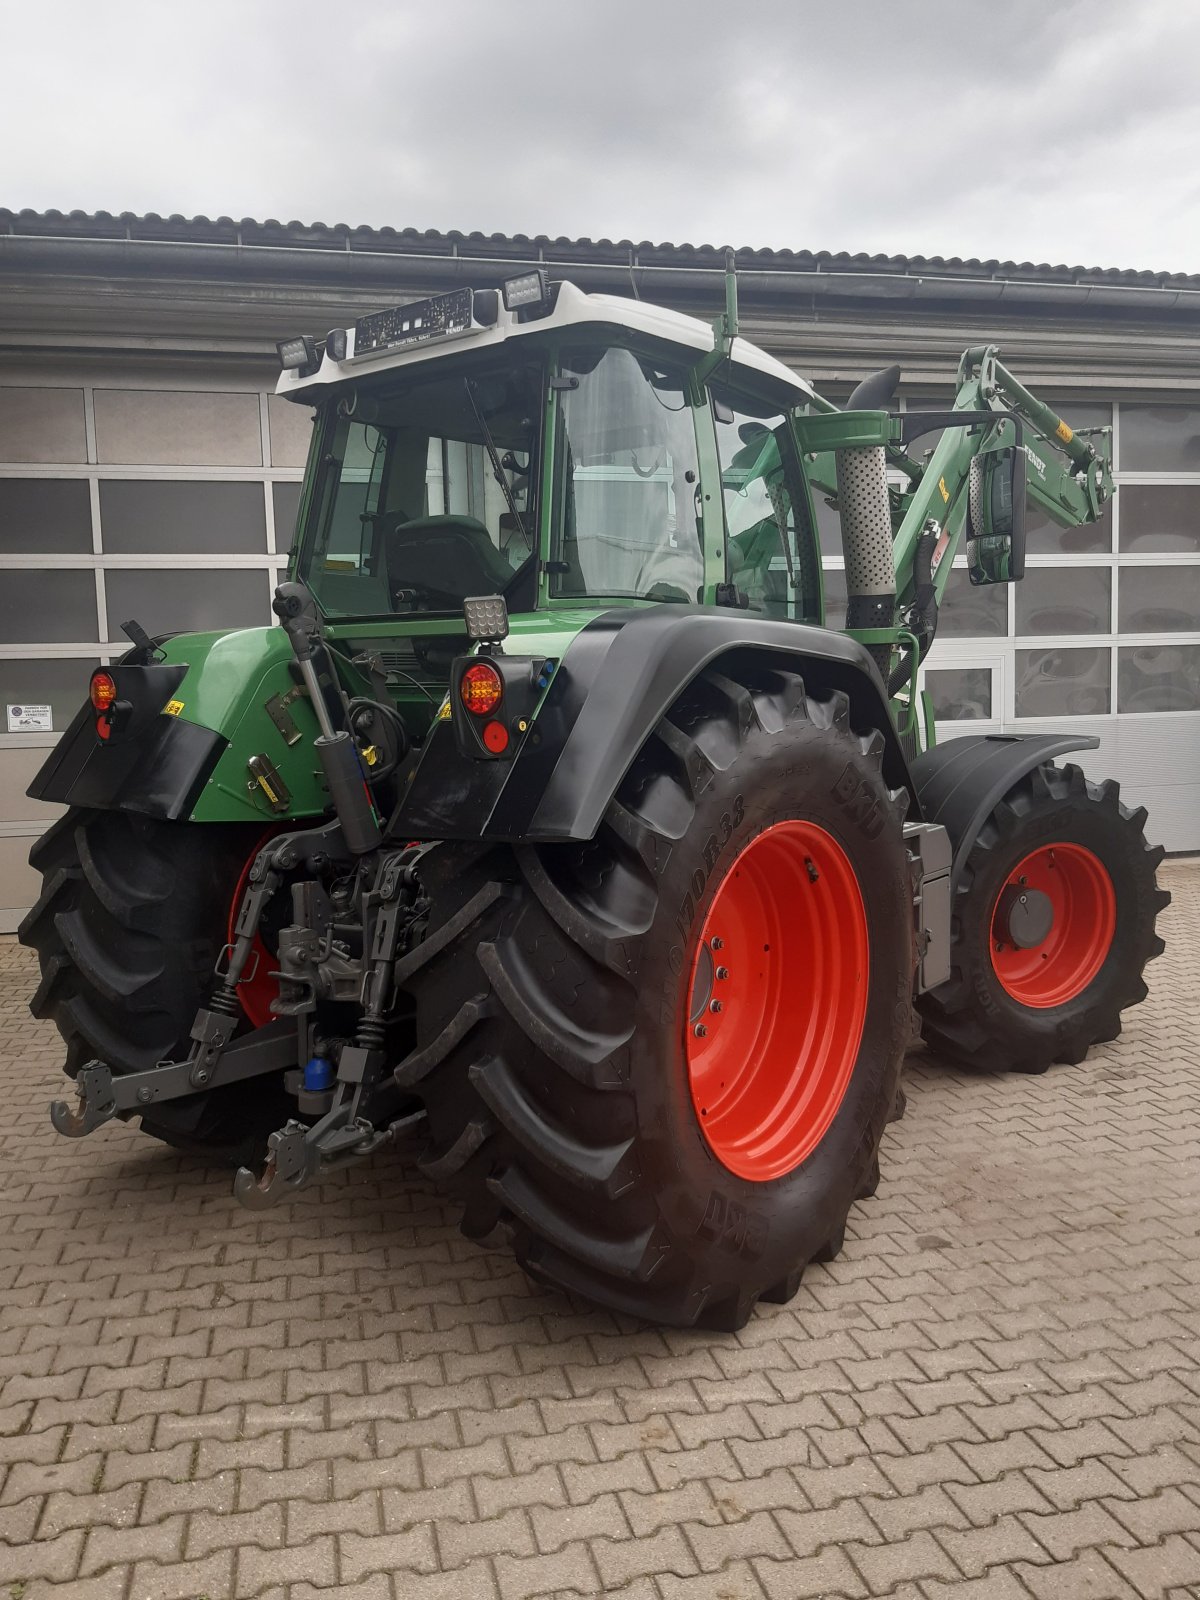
pixel 481 690
pixel 103 690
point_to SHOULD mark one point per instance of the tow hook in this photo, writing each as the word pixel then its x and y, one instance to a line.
pixel 96 1104
pixel 297 1155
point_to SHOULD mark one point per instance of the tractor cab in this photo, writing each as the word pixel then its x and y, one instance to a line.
pixel 565 452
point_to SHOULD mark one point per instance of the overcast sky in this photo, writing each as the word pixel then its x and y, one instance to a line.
pixel 1065 132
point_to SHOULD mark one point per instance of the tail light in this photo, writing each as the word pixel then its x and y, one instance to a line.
pixel 481 689
pixel 102 692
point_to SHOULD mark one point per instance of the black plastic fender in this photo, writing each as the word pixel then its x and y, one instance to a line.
pixel 960 782
pixel 616 681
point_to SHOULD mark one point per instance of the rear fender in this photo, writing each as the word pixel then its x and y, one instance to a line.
pixel 617 680
pixel 959 783
pixel 187 758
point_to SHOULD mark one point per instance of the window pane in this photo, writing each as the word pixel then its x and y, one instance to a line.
pixel 177 428
pixel 1065 600
pixel 973 611
pixel 42 425
pixel 1081 414
pixel 960 694
pixel 291 431
pixel 1064 682
pixel 834 579
pixel 829 524
pixel 61 684
pixel 1160 516
pixel 186 599
pixel 1159 599
pixel 144 517
pixel 768 561
pixel 1046 538
pixel 47 607
pixel 1160 439
pixel 45 514
pixel 627 479
pixel 287 507
pixel 1158 677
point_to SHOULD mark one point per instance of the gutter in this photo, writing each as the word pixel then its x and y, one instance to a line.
pixel 818 281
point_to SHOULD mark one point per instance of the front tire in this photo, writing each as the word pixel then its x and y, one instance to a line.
pixel 1053 925
pixel 560 987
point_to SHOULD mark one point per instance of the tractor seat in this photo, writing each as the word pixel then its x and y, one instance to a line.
pixel 451 555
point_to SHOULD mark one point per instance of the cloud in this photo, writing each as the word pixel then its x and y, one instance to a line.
pixel 1066 133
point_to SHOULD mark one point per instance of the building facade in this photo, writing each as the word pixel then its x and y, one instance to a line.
pixel 147 471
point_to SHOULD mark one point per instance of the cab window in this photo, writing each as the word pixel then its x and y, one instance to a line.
pixel 626 481
pixel 772 555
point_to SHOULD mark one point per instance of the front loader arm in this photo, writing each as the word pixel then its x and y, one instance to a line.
pixel 1069 474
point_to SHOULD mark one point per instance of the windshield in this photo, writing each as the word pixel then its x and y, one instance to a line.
pixel 626 481
pixel 425 493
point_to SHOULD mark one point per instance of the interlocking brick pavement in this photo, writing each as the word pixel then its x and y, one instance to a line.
pixel 994 1394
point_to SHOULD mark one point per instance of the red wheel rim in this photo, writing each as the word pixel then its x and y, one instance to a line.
pixel 257 991
pixel 778 1000
pixel 1084 907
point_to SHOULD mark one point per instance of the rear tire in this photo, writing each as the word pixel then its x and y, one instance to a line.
pixel 1004 1008
pixel 127 929
pixel 553 995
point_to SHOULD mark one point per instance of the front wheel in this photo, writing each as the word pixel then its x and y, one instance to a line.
pixel 1053 925
pixel 664 1059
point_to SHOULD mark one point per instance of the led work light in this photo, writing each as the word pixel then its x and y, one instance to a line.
pixel 530 289
pixel 299 354
pixel 487 618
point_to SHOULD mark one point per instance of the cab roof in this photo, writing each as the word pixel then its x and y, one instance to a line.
pixel 572 308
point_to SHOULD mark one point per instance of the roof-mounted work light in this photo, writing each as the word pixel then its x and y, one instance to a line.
pixel 298 355
pixel 336 344
pixel 530 291
pixel 486 618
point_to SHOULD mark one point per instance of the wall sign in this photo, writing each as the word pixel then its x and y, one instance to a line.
pixel 28 718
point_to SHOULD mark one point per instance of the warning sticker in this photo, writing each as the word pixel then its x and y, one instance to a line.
pixel 173 708
pixel 27 718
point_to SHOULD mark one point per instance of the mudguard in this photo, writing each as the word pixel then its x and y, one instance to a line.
pixel 616 681
pixel 201 712
pixel 960 782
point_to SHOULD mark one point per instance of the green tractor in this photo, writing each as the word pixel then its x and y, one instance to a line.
pixel 552 838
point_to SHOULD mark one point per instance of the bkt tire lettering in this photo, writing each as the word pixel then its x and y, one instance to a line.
pixel 855 797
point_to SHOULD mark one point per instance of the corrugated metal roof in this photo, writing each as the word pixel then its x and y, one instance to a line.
pixel 248 232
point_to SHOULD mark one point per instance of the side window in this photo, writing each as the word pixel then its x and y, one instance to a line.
pixel 771 545
pixel 346 545
pixel 626 479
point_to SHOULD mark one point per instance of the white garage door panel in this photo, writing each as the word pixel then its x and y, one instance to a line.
pixel 20 882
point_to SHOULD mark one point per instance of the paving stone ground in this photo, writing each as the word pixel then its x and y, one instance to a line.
pixel 993 1395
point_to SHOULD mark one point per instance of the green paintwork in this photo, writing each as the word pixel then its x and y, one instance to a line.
pixel 230 678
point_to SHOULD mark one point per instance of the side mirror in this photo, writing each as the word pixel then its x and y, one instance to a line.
pixel 996 516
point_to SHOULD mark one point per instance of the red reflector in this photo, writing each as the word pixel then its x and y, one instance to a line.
pixel 495 736
pixel 103 690
pixel 481 690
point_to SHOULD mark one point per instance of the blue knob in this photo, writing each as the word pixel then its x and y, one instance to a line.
pixel 319 1074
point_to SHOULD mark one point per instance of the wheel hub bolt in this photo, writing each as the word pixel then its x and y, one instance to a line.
pixel 718 944
pixel 722 972
pixel 715 1005
pixel 700 1030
